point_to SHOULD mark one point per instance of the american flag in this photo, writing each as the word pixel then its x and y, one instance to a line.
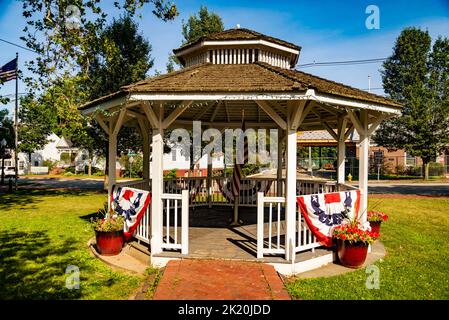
pixel 9 70
pixel 237 173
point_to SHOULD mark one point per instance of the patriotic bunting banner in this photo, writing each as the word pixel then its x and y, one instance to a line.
pixel 322 212
pixel 130 203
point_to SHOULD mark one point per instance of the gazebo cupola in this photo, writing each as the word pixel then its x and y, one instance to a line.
pixel 239 46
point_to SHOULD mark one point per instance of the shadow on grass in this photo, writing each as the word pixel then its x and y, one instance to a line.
pixel 90 216
pixel 29 198
pixel 32 267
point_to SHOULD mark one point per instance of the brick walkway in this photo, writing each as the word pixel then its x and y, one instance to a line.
pixel 191 279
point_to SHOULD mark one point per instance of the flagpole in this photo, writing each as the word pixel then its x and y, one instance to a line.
pixel 16 124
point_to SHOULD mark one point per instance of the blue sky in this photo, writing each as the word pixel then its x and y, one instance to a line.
pixel 326 30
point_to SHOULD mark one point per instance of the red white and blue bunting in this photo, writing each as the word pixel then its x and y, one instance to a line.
pixel 130 203
pixel 324 211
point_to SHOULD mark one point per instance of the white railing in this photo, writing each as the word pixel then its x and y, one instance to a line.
pixel 144 227
pixel 272 227
pixel 202 193
pixel 137 184
pixel 172 204
pixel 315 186
pixel 305 240
pixel 346 187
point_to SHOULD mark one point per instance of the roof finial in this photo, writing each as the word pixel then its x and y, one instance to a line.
pixel 238 26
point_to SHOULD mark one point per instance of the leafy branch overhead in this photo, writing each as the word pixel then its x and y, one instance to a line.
pixel 80 56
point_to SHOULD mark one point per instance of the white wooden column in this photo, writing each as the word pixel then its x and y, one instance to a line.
pixel 145 148
pixel 157 185
pixel 363 166
pixel 114 127
pixel 146 156
pixel 112 160
pixel 279 163
pixel 361 125
pixel 341 152
pixel 290 183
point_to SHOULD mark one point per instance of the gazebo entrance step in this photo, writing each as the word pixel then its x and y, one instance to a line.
pixel 300 257
pixel 138 251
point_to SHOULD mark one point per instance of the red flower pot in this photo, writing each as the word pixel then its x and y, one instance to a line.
pixel 109 243
pixel 351 255
pixel 375 226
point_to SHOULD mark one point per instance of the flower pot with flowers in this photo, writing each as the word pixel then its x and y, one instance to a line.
pixel 108 232
pixel 353 240
pixel 375 218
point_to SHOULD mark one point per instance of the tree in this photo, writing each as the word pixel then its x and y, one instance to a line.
pixel 123 57
pixel 201 25
pixel 66 34
pixel 73 44
pixel 7 134
pixel 197 26
pixel 36 124
pixel 418 77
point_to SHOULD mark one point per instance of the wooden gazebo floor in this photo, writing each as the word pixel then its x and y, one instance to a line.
pixel 211 236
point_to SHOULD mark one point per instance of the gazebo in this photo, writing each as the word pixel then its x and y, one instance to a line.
pixel 224 73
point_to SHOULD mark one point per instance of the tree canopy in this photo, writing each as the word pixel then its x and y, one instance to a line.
pixel 122 58
pixel 81 57
pixel 6 129
pixel 200 25
pixel 417 75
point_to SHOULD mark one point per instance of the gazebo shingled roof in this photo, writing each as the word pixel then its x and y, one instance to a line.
pixel 230 77
pixel 238 34
pixel 255 77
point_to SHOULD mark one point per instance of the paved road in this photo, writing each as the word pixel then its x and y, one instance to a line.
pixel 428 189
pixel 84 184
pixel 424 189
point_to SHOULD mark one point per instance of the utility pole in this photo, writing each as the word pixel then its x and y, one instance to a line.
pixel 16 126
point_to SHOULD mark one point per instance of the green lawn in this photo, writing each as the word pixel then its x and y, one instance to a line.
pixel 43 232
pixel 416 266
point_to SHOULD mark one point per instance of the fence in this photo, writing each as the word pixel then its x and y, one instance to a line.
pixel 382 166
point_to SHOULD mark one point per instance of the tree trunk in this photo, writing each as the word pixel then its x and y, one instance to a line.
pixel 29 164
pixel 3 170
pixel 89 168
pixel 426 165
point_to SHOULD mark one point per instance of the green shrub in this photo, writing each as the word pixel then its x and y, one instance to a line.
pixel 68 174
pixel 109 224
pixel 70 170
pixel 49 164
